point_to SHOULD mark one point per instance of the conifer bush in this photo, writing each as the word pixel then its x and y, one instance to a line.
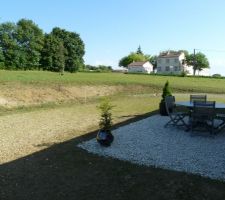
pixel 166 92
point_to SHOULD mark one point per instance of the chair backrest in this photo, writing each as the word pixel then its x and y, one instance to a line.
pixel 170 104
pixel 204 109
pixel 194 97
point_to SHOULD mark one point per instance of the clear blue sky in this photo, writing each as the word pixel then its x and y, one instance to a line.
pixel 111 29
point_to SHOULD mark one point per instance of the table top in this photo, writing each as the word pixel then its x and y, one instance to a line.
pixel 190 104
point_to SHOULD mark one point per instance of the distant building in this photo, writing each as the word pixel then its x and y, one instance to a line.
pixel 172 62
pixel 140 67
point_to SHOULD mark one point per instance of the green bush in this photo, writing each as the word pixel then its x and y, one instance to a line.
pixel 2 66
pixel 183 74
pixel 166 91
pixel 216 75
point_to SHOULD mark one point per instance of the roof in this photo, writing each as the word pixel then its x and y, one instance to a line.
pixel 169 54
pixel 137 63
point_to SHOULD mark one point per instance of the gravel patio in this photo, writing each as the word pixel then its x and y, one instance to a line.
pixel 147 142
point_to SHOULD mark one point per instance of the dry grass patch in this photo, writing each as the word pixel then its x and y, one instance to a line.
pixel 12 95
pixel 24 133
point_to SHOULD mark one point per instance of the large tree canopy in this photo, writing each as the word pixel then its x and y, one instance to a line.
pixel 137 56
pixel 24 46
pixel 132 57
pixel 199 61
pixel 68 46
pixel 53 54
pixel 8 44
pixel 30 39
pixel 74 47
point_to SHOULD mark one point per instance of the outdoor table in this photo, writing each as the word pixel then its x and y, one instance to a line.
pixel 189 104
pixel 218 107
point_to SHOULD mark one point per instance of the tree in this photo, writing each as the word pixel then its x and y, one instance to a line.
pixel 152 60
pixel 2 59
pixel 104 68
pixel 53 54
pixel 21 47
pixel 186 53
pixel 216 75
pixel 63 50
pixel 21 44
pixel 74 47
pixel 132 57
pixel 139 51
pixel 199 61
pixel 30 39
pixel 8 44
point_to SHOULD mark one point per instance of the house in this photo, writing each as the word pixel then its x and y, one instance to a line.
pixel 140 67
pixel 172 62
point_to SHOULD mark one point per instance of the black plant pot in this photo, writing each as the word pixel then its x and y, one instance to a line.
pixel 105 138
pixel 162 108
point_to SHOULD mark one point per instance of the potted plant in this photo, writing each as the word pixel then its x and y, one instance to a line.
pixel 104 136
pixel 162 104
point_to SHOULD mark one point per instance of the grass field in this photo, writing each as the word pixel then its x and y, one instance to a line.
pixel 44 115
pixel 185 84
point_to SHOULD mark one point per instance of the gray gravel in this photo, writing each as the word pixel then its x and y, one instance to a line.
pixel 147 142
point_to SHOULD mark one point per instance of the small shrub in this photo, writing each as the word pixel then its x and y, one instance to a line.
pixel 216 75
pixel 104 136
pixel 162 104
pixel 166 91
pixel 105 107
pixel 183 74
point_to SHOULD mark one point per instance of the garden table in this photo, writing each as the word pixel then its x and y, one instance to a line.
pixel 218 107
pixel 189 104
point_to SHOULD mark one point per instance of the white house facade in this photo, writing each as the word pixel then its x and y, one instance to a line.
pixel 140 67
pixel 172 62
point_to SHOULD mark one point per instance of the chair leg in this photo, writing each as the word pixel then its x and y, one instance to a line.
pixel 175 121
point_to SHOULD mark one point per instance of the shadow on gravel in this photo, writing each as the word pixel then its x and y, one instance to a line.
pixel 64 171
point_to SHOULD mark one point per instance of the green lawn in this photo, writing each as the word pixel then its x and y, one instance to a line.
pixel 183 84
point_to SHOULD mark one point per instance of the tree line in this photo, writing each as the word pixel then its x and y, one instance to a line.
pixel 198 61
pixel 24 46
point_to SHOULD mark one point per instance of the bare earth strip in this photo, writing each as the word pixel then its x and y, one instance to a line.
pixel 12 95
pixel 23 134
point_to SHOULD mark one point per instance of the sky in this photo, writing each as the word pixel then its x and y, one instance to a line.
pixel 111 29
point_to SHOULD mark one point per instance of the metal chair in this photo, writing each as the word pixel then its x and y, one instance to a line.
pixel 203 116
pixel 221 118
pixel 176 118
pixel 194 97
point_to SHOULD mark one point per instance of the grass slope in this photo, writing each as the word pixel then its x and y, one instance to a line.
pixel 188 84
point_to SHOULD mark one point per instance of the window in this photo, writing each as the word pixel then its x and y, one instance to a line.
pixel 159 60
pixel 167 60
pixel 158 69
pixel 175 68
pixel 167 68
pixel 175 60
